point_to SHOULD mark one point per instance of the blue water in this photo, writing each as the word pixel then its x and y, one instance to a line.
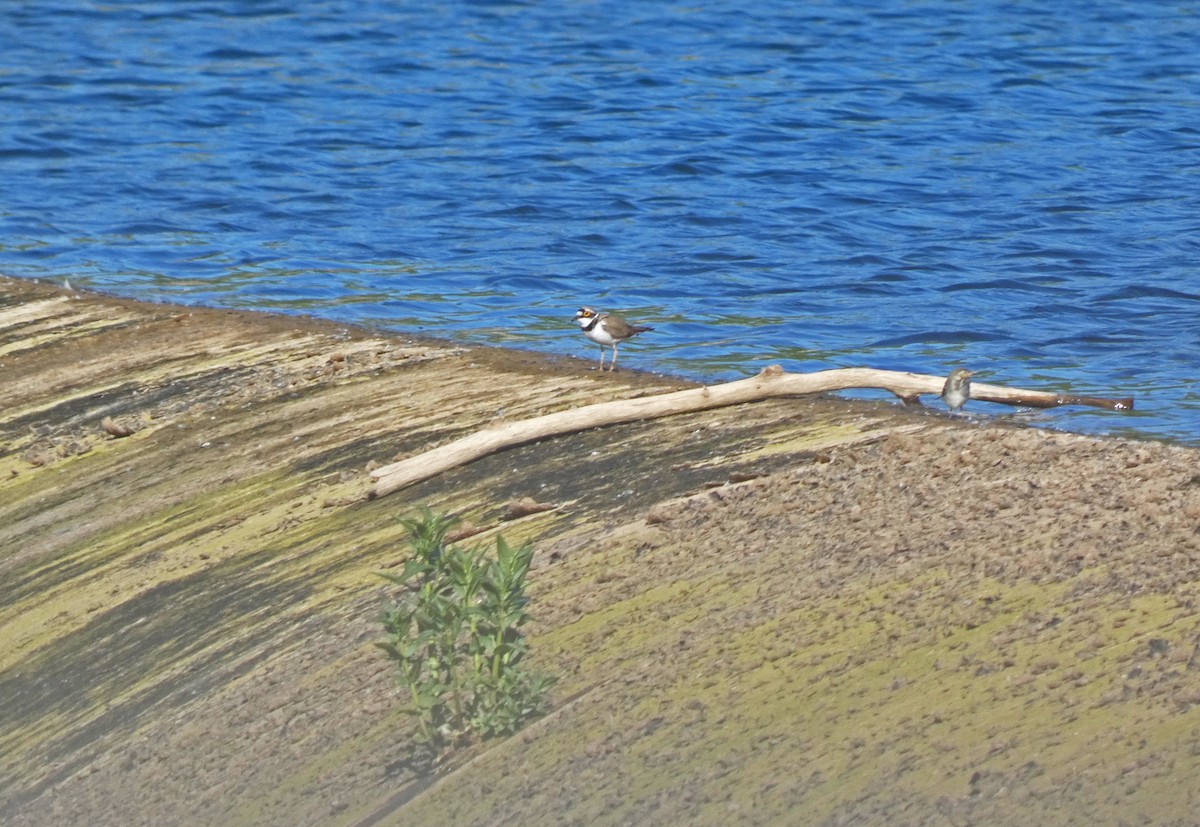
pixel 1010 186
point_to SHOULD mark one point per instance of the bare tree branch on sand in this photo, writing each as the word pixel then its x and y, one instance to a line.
pixel 773 382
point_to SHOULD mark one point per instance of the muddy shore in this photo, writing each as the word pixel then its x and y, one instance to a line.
pixel 806 611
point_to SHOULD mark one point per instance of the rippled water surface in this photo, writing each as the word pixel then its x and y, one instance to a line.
pixel 1014 186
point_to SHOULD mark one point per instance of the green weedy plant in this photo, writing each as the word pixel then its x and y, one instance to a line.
pixel 454 633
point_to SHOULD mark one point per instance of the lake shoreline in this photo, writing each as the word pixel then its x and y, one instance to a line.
pixel 851 609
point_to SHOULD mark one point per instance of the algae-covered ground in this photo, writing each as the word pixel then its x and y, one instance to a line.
pixel 796 612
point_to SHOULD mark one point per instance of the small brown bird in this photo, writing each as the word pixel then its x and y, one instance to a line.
pixel 957 389
pixel 604 330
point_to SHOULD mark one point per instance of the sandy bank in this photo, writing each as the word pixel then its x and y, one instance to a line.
pixel 804 611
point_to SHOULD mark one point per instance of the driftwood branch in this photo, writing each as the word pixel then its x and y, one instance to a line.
pixel 772 383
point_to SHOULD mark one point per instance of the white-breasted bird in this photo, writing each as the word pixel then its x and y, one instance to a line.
pixel 605 329
pixel 957 389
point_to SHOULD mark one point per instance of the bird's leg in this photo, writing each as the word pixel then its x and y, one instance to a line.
pixel 601 358
pixel 613 364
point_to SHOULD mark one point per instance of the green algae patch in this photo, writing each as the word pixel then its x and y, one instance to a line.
pixel 608 638
pixel 295 784
pixel 810 436
pixel 856 696
pixel 965 624
pixel 57 594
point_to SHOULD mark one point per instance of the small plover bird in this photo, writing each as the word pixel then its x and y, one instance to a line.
pixel 604 330
pixel 957 389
